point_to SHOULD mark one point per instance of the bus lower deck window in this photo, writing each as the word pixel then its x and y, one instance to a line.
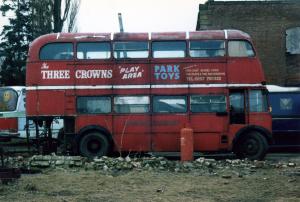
pixel 208 103
pixel 131 104
pixel 94 105
pixel 258 101
pixel 169 104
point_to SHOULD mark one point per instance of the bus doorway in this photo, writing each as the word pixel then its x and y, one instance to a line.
pixel 247 109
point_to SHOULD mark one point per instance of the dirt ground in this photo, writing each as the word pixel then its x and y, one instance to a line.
pixel 277 183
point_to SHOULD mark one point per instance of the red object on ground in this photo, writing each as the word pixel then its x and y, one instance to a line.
pixel 187 144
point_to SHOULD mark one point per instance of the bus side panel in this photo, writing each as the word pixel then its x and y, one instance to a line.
pixel 233 129
pixel 31 102
pixel 83 120
pixel 166 131
pixel 206 141
pixel 33 73
pixel 132 132
pixel 51 102
pixel 262 119
pixel 132 142
pixel 50 73
pixel 207 129
pixel 208 123
pixel 244 70
pixel 127 72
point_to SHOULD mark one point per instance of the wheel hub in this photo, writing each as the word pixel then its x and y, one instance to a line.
pixel 251 147
pixel 94 146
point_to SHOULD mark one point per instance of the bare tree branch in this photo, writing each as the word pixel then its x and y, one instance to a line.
pixel 67 9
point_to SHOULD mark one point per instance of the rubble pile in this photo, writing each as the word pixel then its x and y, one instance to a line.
pixel 108 164
pixel 46 161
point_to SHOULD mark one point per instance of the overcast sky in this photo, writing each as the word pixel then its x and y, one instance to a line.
pixel 138 15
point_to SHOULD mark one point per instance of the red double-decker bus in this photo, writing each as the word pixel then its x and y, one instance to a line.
pixel 136 91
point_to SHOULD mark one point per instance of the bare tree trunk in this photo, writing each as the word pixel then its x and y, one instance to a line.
pixel 72 18
pixel 57 14
pixel 54 16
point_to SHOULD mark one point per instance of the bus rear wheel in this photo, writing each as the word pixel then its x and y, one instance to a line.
pixel 94 144
pixel 253 146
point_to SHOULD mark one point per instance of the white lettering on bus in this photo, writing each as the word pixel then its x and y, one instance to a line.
pixel 55 74
pixel 131 72
pixel 93 74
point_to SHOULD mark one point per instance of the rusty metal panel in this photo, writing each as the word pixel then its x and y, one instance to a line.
pixel 130 36
pixel 168 36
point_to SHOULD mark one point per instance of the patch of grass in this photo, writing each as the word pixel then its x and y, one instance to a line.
pixel 30 188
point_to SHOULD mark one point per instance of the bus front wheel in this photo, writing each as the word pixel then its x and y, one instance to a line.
pixel 253 146
pixel 94 144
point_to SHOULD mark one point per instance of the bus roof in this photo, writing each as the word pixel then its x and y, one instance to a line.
pixel 126 36
pixel 205 34
pixel 277 89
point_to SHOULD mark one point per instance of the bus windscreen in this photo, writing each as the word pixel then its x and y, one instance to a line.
pixel 8 100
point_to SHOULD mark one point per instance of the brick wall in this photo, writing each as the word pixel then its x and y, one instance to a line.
pixel 266 22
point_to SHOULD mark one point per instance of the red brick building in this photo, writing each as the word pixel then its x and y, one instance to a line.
pixel 274 27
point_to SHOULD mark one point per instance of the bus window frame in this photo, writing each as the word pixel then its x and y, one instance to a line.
pixel 114 112
pixel 94 59
pixel 265 99
pixel 215 57
pixel 127 58
pixel 71 59
pixel 88 114
pixel 187 100
pixel 211 112
pixel 186 55
pixel 236 57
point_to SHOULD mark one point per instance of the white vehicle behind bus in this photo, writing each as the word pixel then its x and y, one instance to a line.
pixel 13 115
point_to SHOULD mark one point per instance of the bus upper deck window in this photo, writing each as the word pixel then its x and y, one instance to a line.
pixel 93 50
pixel 209 48
pixel 168 49
pixel 240 49
pixel 57 51
pixel 131 49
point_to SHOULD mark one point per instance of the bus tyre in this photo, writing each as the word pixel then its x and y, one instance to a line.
pixel 94 144
pixel 253 146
